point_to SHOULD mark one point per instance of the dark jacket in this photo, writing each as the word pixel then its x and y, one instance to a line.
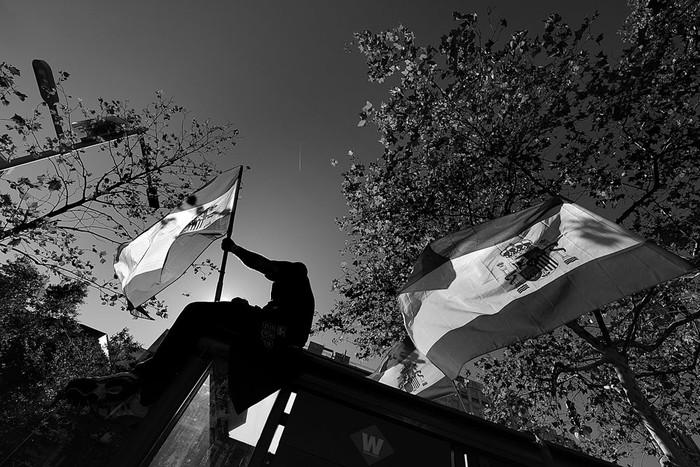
pixel 291 298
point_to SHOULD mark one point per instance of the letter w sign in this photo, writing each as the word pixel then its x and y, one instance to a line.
pixel 372 444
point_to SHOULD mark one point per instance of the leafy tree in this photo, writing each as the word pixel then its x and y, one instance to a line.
pixel 41 346
pixel 482 126
pixel 124 351
pixel 88 201
pixel 7 84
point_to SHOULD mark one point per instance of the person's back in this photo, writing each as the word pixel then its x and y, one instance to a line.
pixel 291 301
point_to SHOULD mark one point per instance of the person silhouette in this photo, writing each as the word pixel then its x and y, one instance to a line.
pixel 285 321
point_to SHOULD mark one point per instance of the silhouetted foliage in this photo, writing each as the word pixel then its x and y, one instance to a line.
pixel 124 351
pixel 83 203
pixel 41 346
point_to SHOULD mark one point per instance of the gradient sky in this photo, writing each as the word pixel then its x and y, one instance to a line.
pixel 280 72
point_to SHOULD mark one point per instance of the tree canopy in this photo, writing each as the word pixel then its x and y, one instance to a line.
pixel 487 123
pixel 42 347
pixel 78 206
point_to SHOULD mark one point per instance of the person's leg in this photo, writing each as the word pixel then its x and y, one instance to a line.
pixel 197 320
pixel 152 376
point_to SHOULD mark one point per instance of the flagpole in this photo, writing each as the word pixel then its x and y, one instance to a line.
pixel 459 396
pixel 229 231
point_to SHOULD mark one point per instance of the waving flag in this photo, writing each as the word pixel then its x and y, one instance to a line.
pixel 520 276
pixel 403 367
pixel 158 257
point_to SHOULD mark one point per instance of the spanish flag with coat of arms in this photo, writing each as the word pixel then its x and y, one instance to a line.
pixel 159 256
pixel 523 275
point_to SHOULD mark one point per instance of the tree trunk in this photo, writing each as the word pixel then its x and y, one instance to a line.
pixel 673 456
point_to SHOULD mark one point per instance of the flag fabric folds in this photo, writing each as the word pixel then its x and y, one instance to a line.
pixel 522 275
pixel 159 256
pixel 404 368
pixel 140 313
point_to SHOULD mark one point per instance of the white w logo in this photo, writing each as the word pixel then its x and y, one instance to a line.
pixel 371 445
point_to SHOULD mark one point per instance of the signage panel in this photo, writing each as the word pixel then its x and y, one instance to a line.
pixel 320 432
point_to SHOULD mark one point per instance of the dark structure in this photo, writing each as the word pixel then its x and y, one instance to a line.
pixel 329 414
pixel 320 349
pixel 470 399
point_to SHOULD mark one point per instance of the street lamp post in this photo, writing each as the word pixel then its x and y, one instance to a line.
pixel 48 91
pixel 93 132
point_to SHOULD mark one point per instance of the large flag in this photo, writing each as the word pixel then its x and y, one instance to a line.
pixel 520 276
pixel 404 368
pixel 159 256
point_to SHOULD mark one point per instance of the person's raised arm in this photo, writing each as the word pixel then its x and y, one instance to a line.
pixel 252 260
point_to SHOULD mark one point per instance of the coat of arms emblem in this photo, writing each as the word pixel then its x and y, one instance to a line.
pixel 526 261
pixel 411 378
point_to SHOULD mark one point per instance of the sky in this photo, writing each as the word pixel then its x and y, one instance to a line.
pixel 284 73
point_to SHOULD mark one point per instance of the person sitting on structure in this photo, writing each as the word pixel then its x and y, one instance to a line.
pixel 283 322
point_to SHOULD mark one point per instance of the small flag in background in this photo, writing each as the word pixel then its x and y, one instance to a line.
pixel 520 276
pixel 158 257
pixel 404 368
